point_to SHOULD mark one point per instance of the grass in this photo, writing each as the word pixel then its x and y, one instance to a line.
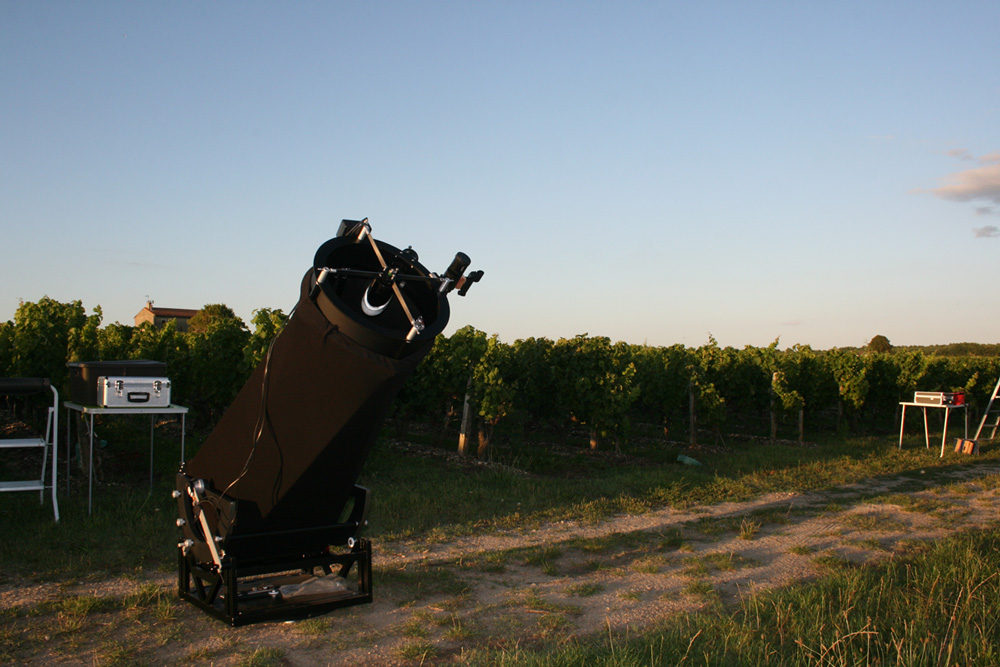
pixel 555 489
pixel 262 657
pixel 118 627
pixel 917 504
pixel 418 651
pixel 420 582
pixel 131 534
pixel 529 599
pixel 132 529
pixel 650 564
pixel 729 561
pixel 584 590
pixel 749 529
pixel 699 588
pixel 316 627
pixel 630 596
pixel 872 522
pixel 934 608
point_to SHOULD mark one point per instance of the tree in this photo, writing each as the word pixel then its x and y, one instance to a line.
pixel 531 370
pixel 879 344
pixel 493 390
pixel 114 342
pixel 267 323
pixel 706 402
pixel 6 348
pixel 663 380
pixel 210 313
pixel 851 373
pixel 786 400
pixel 596 383
pixel 443 377
pixel 47 334
pixel 167 345
pixel 218 367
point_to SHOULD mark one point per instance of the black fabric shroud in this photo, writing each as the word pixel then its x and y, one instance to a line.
pixel 327 397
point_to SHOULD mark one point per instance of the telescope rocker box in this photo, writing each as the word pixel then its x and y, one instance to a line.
pixel 133 392
pixel 84 375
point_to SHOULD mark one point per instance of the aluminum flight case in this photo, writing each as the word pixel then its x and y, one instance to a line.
pixel 133 392
pixel 938 398
pixel 83 375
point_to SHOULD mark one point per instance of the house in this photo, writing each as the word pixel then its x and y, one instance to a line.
pixel 159 316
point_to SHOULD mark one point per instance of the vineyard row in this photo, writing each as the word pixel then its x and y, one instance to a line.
pixel 600 385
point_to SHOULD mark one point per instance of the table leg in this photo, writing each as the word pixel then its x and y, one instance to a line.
pixel 151 418
pixel 55 460
pixel 183 428
pixel 69 447
pixel 927 433
pixel 90 484
pixel 944 434
pixel 902 423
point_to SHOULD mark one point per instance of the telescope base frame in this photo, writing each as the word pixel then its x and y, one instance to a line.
pixel 256 598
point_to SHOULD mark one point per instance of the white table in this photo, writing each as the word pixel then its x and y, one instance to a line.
pixel 93 410
pixel 927 437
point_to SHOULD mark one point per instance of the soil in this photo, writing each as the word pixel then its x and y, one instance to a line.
pixel 437 601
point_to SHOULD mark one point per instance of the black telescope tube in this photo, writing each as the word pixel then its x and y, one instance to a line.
pixel 290 448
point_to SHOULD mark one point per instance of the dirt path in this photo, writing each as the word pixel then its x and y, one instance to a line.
pixel 436 601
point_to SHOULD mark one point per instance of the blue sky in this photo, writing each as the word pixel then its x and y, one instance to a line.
pixel 654 172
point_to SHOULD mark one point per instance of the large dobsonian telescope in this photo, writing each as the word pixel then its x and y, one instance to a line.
pixel 269 507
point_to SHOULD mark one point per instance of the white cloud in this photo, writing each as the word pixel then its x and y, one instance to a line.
pixel 972 184
pixel 960 153
pixel 980 184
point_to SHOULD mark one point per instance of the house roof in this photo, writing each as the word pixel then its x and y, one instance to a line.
pixel 174 312
pixel 166 312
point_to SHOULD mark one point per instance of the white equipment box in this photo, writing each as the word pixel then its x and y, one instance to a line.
pixel 937 398
pixel 133 392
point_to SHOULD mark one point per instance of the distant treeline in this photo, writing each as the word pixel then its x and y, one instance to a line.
pixel 591 384
pixel 955 349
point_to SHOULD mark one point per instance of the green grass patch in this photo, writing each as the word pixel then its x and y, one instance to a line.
pixel 651 564
pixel 872 522
pixel 729 561
pixel 409 584
pixel 584 590
pixel 912 503
pixel 631 595
pixel 699 588
pixel 749 528
pixel 262 656
pixel 670 539
pixel 833 562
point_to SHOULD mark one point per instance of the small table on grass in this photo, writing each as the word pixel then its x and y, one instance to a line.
pixel 927 437
pixel 98 410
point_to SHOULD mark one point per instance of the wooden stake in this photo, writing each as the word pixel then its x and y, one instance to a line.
pixel 463 436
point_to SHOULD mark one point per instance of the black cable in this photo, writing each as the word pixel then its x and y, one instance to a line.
pixel 263 417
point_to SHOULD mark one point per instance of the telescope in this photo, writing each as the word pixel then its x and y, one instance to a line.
pixel 269 508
